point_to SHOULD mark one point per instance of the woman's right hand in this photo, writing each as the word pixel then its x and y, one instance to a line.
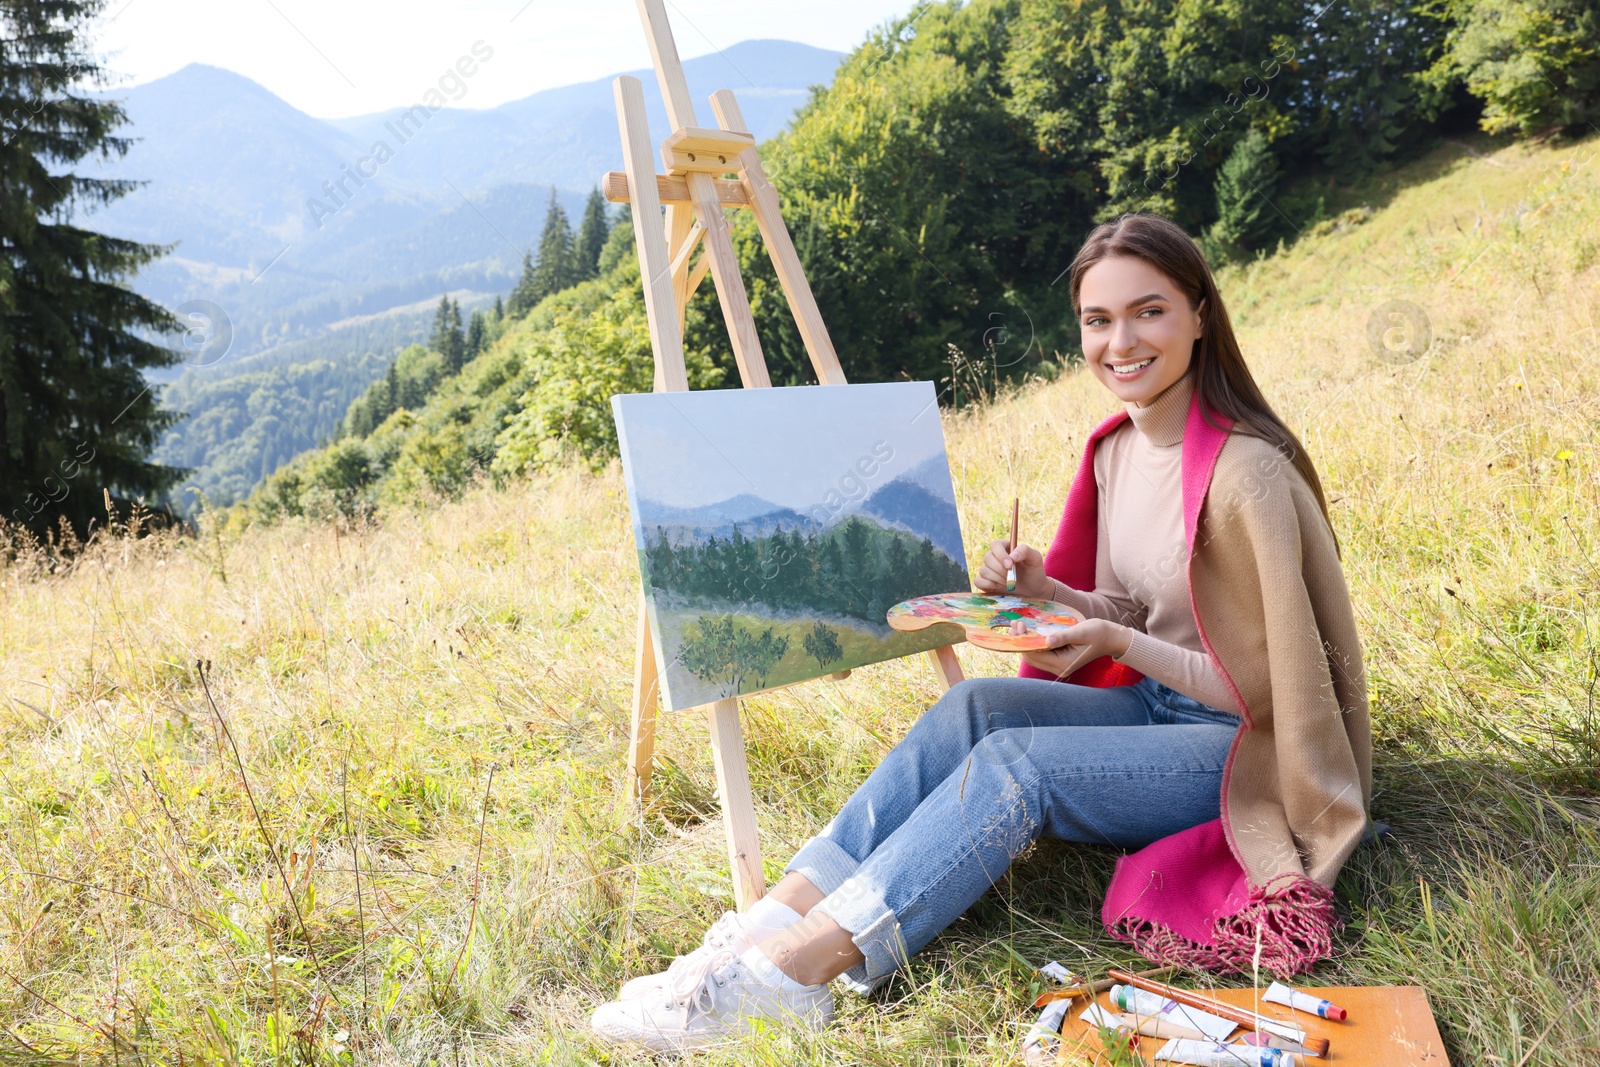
pixel 1032 582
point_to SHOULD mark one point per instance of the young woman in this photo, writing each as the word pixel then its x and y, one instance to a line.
pixel 1210 710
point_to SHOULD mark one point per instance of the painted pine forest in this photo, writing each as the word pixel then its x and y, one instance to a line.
pixel 741 614
pixel 856 568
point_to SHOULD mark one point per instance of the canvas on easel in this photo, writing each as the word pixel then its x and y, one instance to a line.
pixel 695 191
pixel 775 529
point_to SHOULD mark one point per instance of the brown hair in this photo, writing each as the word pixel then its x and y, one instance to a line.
pixel 1222 378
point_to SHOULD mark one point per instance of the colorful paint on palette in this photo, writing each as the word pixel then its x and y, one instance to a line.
pixel 987 619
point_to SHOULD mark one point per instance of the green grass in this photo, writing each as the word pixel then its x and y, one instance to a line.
pixel 375 680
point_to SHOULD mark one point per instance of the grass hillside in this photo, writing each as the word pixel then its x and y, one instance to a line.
pixel 426 717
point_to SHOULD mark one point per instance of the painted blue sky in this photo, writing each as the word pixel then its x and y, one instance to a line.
pixel 790 446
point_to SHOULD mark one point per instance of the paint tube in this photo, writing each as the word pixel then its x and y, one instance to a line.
pixel 1139 1002
pixel 1209 1054
pixel 1039 1043
pixel 1148 1025
pixel 1056 973
pixel 1278 993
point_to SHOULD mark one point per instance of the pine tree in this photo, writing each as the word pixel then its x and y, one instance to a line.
pixel 455 338
pixel 357 420
pixel 553 269
pixel 77 417
pixel 447 339
pixel 523 295
pixel 592 234
pixel 477 336
pixel 441 319
pixel 925 568
pixel 1244 188
pixel 499 309
pixel 391 392
pixel 855 547
pixel 553 272
pixel 898 569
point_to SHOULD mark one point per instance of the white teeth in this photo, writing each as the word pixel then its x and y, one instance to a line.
pixel 1131 367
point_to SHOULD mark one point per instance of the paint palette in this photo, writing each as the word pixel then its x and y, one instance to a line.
pixel 987 619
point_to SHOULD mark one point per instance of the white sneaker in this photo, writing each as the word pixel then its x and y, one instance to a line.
pixel 728 932
pixel 716 999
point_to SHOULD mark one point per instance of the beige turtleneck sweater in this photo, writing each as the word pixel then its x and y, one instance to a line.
pixel 1141 561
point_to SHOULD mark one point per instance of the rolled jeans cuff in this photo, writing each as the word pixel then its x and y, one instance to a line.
pixel 823 864
pixel 860 910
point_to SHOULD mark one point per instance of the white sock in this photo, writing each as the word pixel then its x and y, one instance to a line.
pixel 767 917
pixel 768 972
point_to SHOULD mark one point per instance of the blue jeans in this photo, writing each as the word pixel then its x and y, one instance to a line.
pixel 986 770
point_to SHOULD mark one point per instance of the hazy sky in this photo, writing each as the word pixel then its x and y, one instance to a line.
pixel 336 58
pixel 792 446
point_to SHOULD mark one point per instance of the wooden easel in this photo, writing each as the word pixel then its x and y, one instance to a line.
pixel 695 195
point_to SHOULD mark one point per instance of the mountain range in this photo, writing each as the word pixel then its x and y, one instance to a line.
pixel 317 275
pixel 271 226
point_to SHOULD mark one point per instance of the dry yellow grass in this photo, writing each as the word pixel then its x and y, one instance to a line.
pixel 374 680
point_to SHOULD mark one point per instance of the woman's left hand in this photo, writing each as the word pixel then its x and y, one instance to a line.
pixel 1085 641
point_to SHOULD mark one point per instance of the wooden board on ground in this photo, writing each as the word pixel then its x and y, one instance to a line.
pixel 1389 1026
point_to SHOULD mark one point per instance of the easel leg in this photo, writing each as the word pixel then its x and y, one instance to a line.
pixel 738 805
pixel 946 667
pixel 730 286
pixel 650 237
pixel 775 235
pixel 642 739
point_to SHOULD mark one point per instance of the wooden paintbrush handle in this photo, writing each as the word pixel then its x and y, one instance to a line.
pixel 1094 988
pixel 1183 996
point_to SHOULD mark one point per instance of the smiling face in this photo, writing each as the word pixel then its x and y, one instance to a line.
pixel 1138 328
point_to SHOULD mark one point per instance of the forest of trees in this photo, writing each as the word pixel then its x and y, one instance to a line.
pixel 856 568
pixel 414 375
pixel 542 383
pixel 562 260
pixel 416 372
pixel 730 651
pixel 938 187
pixel 251 416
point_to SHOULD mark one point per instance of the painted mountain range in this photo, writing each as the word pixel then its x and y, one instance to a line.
pixel 906 503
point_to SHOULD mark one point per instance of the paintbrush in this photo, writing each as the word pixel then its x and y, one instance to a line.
pixel 1011 575
pixel 1093 989
pixel 1283 1044
pixel 1318 1046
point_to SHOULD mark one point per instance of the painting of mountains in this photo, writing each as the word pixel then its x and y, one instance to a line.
pixel 776 527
